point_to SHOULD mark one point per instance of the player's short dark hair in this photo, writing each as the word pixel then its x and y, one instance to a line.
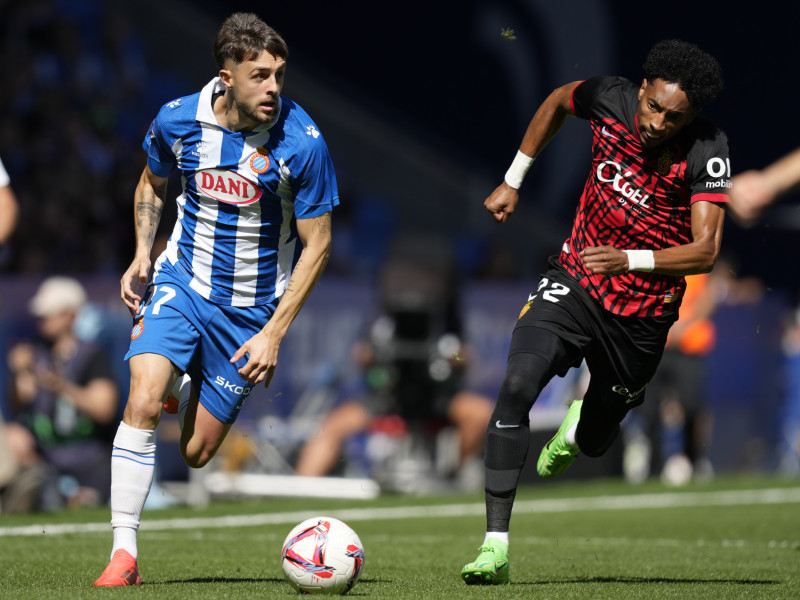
pixel 243 36
pixel 696 72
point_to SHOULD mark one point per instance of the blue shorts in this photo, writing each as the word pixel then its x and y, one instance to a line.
pixel 199 337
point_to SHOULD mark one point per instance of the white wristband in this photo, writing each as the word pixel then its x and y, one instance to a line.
pixel 516 172
pixel 640 260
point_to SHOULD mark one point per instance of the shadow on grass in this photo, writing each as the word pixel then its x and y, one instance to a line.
pixel 206 580
pixel 678 580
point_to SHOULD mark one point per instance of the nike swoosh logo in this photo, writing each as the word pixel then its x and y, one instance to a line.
pixel 531 296
pixel 499 425
pixel 607 133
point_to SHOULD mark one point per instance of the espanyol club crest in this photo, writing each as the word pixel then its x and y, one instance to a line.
pixel 138 327
pixel 226 186
pixel 259 162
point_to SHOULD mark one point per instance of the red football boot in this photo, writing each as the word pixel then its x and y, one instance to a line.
pixel 122 570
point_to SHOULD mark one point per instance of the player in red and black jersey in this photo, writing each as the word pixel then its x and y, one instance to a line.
pixel 650 213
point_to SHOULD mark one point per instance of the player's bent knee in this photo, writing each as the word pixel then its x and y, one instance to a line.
pixel 195 464
pixel 198 459
pixel 198 451
pixel 142 411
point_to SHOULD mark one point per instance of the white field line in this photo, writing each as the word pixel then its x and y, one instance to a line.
pixel 628 502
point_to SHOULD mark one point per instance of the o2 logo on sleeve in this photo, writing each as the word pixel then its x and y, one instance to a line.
pixel 720 170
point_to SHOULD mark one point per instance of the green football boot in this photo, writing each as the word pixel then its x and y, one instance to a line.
pixel 557 455
pixel 491 566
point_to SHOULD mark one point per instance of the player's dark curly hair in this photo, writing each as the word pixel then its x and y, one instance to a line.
pixel 243 36
pixel 697 72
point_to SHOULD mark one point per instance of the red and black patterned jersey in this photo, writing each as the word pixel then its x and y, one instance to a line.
pixel 639 198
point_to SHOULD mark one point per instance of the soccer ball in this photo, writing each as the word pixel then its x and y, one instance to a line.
pixel 322 555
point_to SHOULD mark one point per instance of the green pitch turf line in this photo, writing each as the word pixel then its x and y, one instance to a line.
pixel 769 496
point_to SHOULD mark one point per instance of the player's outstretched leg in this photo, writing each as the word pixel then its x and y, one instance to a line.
pixel 491 566
pixel 122 570
pixel 558 454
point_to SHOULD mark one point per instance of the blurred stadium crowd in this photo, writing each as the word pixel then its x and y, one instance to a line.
pixel 79 93
pixel 73 108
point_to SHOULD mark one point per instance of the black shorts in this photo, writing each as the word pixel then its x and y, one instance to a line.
pixel 621 353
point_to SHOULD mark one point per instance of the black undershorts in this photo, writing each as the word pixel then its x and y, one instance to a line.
pixel 621 353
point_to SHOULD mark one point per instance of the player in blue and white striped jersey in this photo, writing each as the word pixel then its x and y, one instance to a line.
pixel 252 237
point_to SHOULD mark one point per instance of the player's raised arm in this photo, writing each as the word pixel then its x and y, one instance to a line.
pixel 548 120
pixel 262 348
pixel 148 204
pixel 544 125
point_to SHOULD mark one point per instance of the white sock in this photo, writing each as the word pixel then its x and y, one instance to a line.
pixel 132 469
pixel 498 535
pixel 182 390
pixel 570 436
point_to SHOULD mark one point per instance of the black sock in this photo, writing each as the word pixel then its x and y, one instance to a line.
pixel 506 451
pixel 498 510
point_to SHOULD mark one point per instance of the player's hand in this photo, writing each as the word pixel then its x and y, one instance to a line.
pixel 502 202
pixel 750 195
pixel 604 260
pixel 133 280
pixel 262 358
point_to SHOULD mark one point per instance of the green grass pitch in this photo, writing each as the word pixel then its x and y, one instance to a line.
pixel 731 538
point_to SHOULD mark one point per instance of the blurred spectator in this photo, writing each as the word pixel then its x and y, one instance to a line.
pixel 8 208
pixel 671 432
pixel 789 442
pixel 411 365
pixel 75 108
pixel 498 261
pixel 754 190
pixel 65 404
pixel 8 220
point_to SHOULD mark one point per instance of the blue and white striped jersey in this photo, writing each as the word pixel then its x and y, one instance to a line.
pixel 235 240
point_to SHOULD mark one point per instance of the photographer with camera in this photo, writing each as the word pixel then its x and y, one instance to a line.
pixel 411 366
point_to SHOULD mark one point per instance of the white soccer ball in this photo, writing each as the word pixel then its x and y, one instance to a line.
pixel 322 555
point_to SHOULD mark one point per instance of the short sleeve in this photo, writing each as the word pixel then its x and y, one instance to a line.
pixel 709 165
pixel 594 98
pixel 160 157
pixel 316 190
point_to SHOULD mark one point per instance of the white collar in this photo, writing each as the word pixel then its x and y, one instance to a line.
pixel 205 110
